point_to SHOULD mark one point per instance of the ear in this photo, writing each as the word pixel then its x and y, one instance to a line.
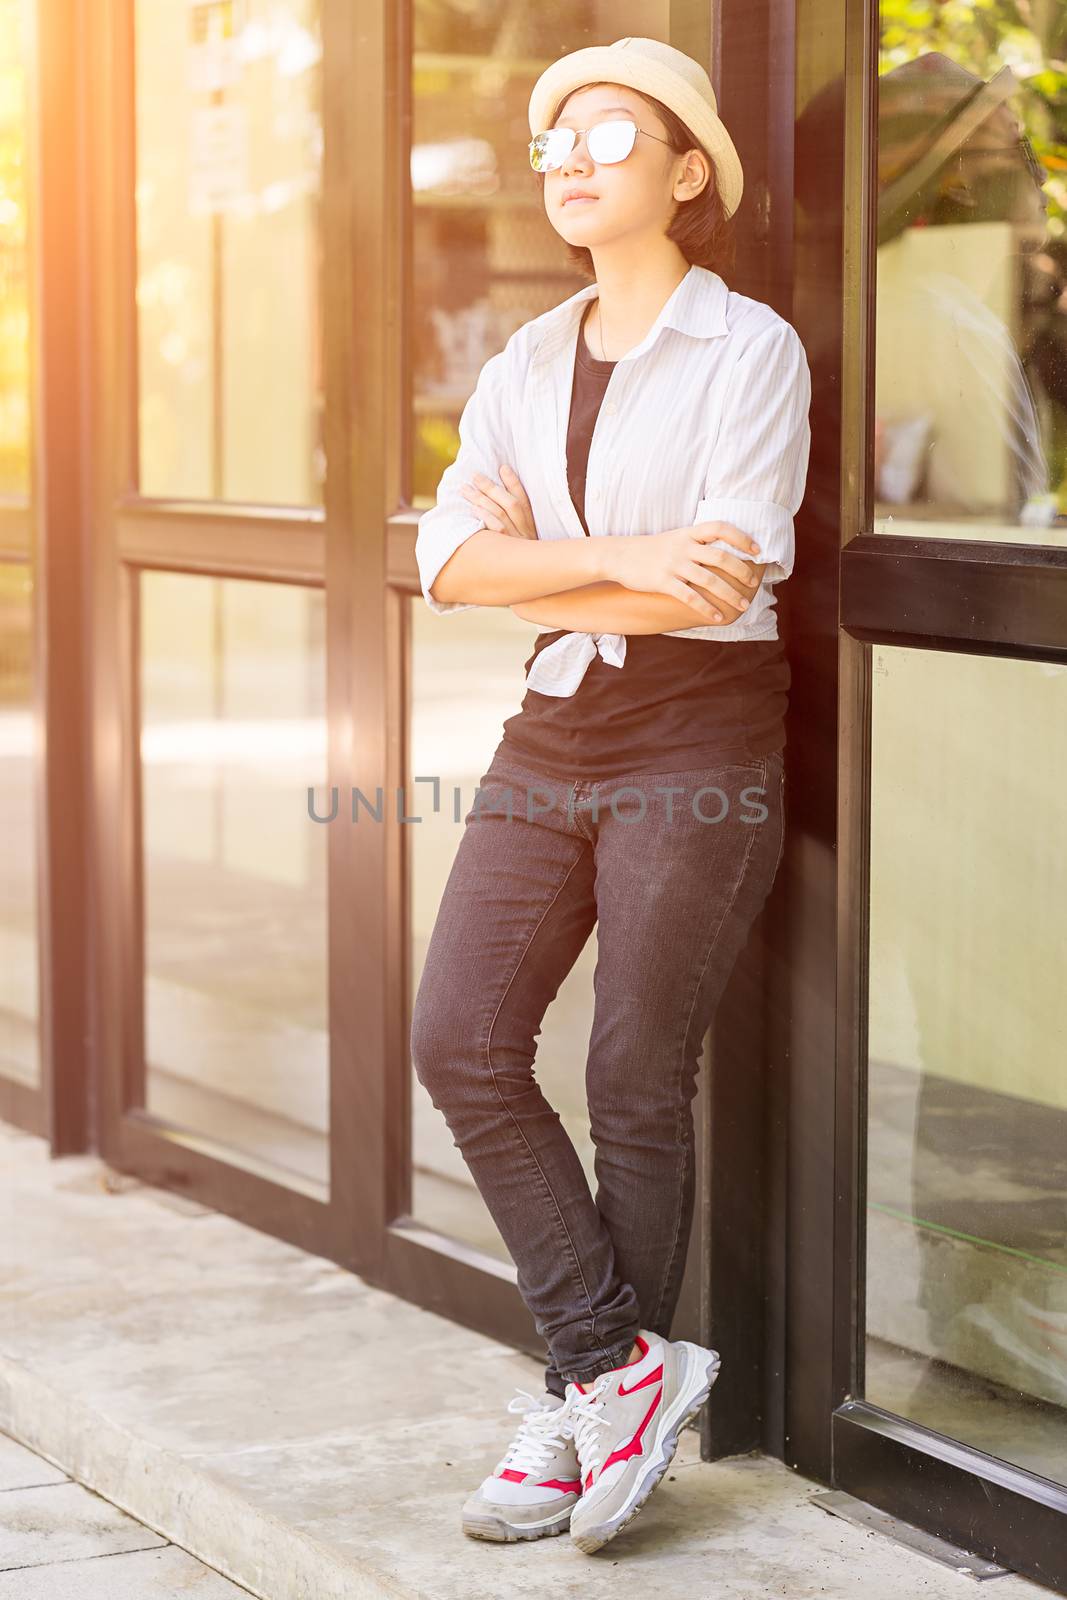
pixel 697 173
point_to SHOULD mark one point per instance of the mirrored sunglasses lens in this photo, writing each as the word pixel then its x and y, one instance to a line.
pixel 550 149
pixel 611 141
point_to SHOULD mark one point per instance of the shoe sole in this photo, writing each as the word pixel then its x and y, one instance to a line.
pixel 485 1525
pixel 696 1386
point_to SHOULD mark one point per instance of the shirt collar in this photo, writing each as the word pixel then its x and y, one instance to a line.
pixel 697 307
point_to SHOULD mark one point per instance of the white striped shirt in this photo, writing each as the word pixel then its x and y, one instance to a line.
pixel 705 420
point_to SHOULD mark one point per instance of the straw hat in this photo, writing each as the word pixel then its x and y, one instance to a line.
pixel 659 70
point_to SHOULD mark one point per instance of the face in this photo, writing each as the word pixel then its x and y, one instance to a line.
pixel 631 197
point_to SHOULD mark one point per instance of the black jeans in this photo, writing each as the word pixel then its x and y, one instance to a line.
pixel 672 868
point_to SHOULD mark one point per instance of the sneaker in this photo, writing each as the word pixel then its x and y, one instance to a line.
pixel 532 1489
pixel 626 1427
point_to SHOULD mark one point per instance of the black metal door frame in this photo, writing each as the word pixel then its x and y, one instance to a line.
pixel 860 589
pixel 47 532
pixel 132 533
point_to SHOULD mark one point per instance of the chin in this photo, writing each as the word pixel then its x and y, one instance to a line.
pixel 566 226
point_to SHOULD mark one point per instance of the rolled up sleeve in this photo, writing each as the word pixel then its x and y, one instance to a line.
pixel 485 443
pixel 757 476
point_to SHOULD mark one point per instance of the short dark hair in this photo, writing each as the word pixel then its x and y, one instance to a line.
pixel 700 227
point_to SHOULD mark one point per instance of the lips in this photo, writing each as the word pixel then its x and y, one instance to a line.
pixel 578 194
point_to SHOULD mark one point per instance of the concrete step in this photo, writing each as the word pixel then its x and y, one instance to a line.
pixel 312 1438
pixel 60 1541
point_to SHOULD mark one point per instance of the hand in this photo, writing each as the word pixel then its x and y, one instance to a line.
pixel 677 563
pixel 504 509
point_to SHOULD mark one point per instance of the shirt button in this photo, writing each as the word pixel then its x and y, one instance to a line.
pixel 611 408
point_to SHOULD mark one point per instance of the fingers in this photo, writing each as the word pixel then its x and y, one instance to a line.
pixel 496 491
pixel 692 597
pixel 489 512
pixel 748 574
pixel 485 493
pixel 750 579
pixel 523 511
pixel 512 496
pixel 514 482
pixel 717 586
pixel 727 531
pixel 738 580
pixel 492 512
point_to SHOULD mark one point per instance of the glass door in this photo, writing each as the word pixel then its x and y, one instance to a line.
pixel 947 1256
pixel 210 660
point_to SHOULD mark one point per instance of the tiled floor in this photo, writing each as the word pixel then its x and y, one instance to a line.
pixel 59 1541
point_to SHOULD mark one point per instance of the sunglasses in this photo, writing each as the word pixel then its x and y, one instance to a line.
pixel 607 142
pixel 1033 166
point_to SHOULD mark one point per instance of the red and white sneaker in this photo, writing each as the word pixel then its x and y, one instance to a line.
pixel 626 1427
pixel 533 1487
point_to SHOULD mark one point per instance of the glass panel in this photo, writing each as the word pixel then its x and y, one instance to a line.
pixel 14 263
pixel 233 734
pixel 466 678
pixel 967 1131
pixel 229 143
pixel 19 992
pixel 971 331
pixel 486 259
pixel 19 1047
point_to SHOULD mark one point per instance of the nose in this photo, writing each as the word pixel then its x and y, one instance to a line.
pixel 572 160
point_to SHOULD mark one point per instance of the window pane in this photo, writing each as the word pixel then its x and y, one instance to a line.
pixel 14 274
pixel 967 1131
pixel 466 677
pixel 233 733
pixel 971 314
pixel 486 258
pixel 19 998
pixel 19 1056
pixel 229 138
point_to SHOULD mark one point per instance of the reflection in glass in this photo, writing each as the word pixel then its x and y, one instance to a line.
pixel 233 733
pixel 466 677
pixel 19 1054
pixel 14 265
pixel 229 143
pixel 486 258
pixel 971 273
pixel 967 1131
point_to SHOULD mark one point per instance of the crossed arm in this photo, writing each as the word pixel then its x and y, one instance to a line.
pixel 472 546
pixel 611 608
pixel 602 605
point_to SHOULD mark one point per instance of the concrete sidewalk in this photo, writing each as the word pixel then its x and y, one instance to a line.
pixel 313 1438
pixel 59 1541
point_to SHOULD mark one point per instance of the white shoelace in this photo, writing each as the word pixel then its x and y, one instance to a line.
pixel 586 1419
pixel 544 1429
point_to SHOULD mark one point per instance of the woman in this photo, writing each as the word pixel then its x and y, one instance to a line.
pixel 640 786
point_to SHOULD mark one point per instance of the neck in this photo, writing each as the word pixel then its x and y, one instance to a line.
pixel 632 297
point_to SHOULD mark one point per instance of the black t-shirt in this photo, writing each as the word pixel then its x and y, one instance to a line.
pixel 674 703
